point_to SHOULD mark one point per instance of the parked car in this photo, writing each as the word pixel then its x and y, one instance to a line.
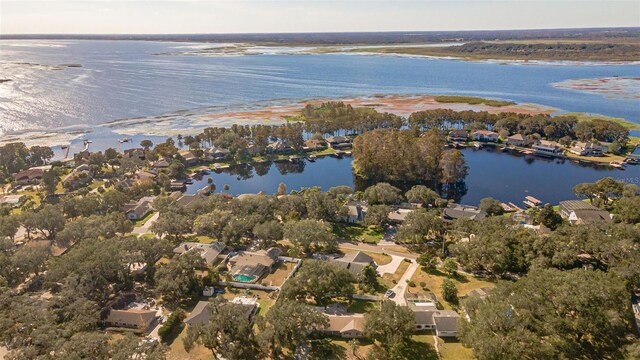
pixel 390 294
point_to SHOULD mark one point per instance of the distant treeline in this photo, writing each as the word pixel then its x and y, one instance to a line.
pixel 412 37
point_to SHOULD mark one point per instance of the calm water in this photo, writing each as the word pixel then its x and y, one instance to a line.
pixel 123 79
pixel 496 174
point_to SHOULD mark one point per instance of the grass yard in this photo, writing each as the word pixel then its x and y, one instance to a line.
pixel 361 306
pixel 279 275
pixel 380 259
pixel 354 232
pixel 177 351
pixel 387 280
pixel 264 297
pixel 345 349
pixel 142 221
pixel 452 349
pixel 433 283
pixel 204 239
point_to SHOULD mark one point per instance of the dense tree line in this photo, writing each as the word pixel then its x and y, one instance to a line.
pixel 407 157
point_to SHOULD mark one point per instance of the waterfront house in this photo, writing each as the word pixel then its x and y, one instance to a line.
pixel 313 145
pixel 249 266
pixel 516 140
pixel 458 135
pixel 354 262
pixel 485 135
pixel 143 176
pixel 186 200
pixel 279 147
pixel 456 211
pixel 160 164
pixel 137 210
pixel 353 214
pixel 347 326
pixel 209 252
pixel 201 314
pixel 589 148
pixel 581 212
pixel 548 148
pixel 188 157
pixel 137 153
pixel 28 177
pixel 216 153
pixel 338 142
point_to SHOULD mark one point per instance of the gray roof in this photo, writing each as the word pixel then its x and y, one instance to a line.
pixel 457 211
pixel 593 215
pixel 210 252
pixel 200 314
pixel 358 257
pixel 446 320
pixel 570 205
pixel 423 312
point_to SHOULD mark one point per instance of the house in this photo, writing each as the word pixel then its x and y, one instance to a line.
pixel 456 211
pixel 480 293
pixel 189 158
pixel 548 148
pixel 137 210
pixel 423 313
pixel 138 319
pixel 485 135
pixel 209 252
pixel 446 323
pixel 589 148
pixel 161 164
pixel 458 135
pixel 186 200
pixel 250 266
pixel 28 177
pixel 516 140
pixel 10 200
pixel 580 212
pixel 338 142
pixel 79 176
pixel 399 215
pixel 354 214
pixel 348 326
pixel 137 153
pixel 313 145
pixel 201 315
pixel 145 175
pixel 216 153
pixel 278 147
pixel 354 262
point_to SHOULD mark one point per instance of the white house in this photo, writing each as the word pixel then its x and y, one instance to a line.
pixel 485 135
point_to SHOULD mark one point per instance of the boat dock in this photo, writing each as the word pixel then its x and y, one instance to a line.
pixel 530 201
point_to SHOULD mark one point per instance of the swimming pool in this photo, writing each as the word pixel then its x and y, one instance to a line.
pixel 244 278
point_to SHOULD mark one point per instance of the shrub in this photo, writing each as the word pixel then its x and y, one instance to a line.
pixel 423 284
pixel 412 284
pixel 174 321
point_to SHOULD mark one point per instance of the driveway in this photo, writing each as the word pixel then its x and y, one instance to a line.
pixel 391 267
pixel 144 228
pixel 400 288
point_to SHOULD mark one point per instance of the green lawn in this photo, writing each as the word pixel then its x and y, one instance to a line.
pixel 354 232
pixel 143 220
pixel 433 283
pixel 453 350
pixel 361 306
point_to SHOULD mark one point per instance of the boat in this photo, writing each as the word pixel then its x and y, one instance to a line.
pixel 530 201
pixel 631 161
pixel 617 165
pixel 311 158
pixel 477 145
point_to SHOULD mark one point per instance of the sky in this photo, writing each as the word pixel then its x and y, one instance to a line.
pixel 238 16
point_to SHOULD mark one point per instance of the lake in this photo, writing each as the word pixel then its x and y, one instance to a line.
pixel 492 173
pixel 125 79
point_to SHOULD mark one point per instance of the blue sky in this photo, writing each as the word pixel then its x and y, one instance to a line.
pixel 214 16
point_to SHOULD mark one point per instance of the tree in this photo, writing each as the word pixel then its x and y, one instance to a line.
pixel 548 217
pixel 282 189
pixel 449 291
pixel 391 325
pixel 172 222
pixel 269 231
pixel 627 209
pixel 423 195
pixel 310 235
pixel 368 279
pixel 320 205
pixel 454 168
pixel 450 266
pixel 491 206
pixel 49 220
pixel 288 325
pixel 551 314
pixel 49 182
pixel 176 280
pixel 377 215
pixel 320 280
pixel 428 261
pixel 227 334
pixel 9 226
pixel 382 193
pixel 213 223
pixel 419 226
pixel 146 144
